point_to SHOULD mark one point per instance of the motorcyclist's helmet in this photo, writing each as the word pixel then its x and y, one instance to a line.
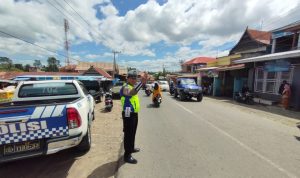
pixel 155 86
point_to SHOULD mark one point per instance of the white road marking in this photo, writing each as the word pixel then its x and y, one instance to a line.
pixel 246 147
pixel 187 110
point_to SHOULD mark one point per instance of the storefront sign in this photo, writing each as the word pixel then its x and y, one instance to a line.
pixel 277 66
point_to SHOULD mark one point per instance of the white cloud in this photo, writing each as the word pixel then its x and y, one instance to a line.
pixel 109 10
pixel 209 23
pixel 40 23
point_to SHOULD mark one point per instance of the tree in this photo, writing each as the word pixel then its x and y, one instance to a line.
pixel 6 63
pixel 26 68
pixel 19 66
pixel 53 65
pixel 37 64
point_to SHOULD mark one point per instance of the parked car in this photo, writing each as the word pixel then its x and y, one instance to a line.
pixel 164 85
pixel 186 88
pixel 94 87
pixel 45 117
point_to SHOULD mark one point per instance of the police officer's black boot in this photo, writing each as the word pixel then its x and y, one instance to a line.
pixel 129 159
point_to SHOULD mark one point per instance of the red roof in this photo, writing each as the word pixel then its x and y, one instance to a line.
pixel 10 75
pixel 200 60
pixel 260 36
pixel 102 72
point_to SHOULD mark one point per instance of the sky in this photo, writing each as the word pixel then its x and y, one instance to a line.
pixel 149 34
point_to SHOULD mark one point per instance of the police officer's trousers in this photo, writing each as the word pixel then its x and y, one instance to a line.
pixel 129 128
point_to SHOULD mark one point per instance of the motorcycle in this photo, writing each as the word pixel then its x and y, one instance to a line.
pixel 172 90
pixel 246 97
pixel 108 102
pixel 148 91
pixel 157 101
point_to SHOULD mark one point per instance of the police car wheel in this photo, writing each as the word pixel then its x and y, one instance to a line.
pixel 86 141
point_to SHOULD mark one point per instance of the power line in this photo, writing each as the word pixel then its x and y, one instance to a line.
pixel 86 21
pixel 65 14
pixel 83 27
pixel 78 14
pixel 13 36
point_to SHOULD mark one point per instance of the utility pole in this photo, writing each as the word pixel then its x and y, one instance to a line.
pixel 67 61
pixel 115 64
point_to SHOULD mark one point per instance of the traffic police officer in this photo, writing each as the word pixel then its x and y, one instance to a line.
pixel 131 107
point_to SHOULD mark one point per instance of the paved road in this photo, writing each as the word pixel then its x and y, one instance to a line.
pixel 211 139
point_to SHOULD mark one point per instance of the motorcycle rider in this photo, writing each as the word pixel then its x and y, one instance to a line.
pixel 245 89
pixel 156 91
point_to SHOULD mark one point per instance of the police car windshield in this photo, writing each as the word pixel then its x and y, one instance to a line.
pixel 47 89
pixel 188 81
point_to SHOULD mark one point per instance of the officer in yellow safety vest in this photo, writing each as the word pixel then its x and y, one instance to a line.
pixel 130 109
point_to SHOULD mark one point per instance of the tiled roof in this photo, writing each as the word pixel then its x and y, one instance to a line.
pixel 102 72
pixel 260 36
pixel 103 65
pixel 200 60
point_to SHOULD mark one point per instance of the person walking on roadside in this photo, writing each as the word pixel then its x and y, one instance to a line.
pixel 281 88
pixel 130 109
pixel 286 94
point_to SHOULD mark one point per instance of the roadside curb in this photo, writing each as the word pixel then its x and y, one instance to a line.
pixel 289 118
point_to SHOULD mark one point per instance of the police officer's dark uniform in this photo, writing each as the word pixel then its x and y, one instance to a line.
pixel 131 107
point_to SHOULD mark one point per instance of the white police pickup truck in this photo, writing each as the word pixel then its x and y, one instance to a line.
pixel 45 117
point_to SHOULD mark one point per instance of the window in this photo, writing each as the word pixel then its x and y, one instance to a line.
pixel 269 82
pixel 259 81
pixel 188 81
pixel 259 86
pixel 47 89
pixel 83 89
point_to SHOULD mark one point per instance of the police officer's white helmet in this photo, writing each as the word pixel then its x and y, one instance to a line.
pixel 132 74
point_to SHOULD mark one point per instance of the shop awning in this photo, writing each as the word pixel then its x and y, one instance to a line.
pixel 206 68
pixel 233 67
pixel 268 57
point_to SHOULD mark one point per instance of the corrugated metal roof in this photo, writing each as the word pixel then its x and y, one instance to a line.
pixel 274 56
